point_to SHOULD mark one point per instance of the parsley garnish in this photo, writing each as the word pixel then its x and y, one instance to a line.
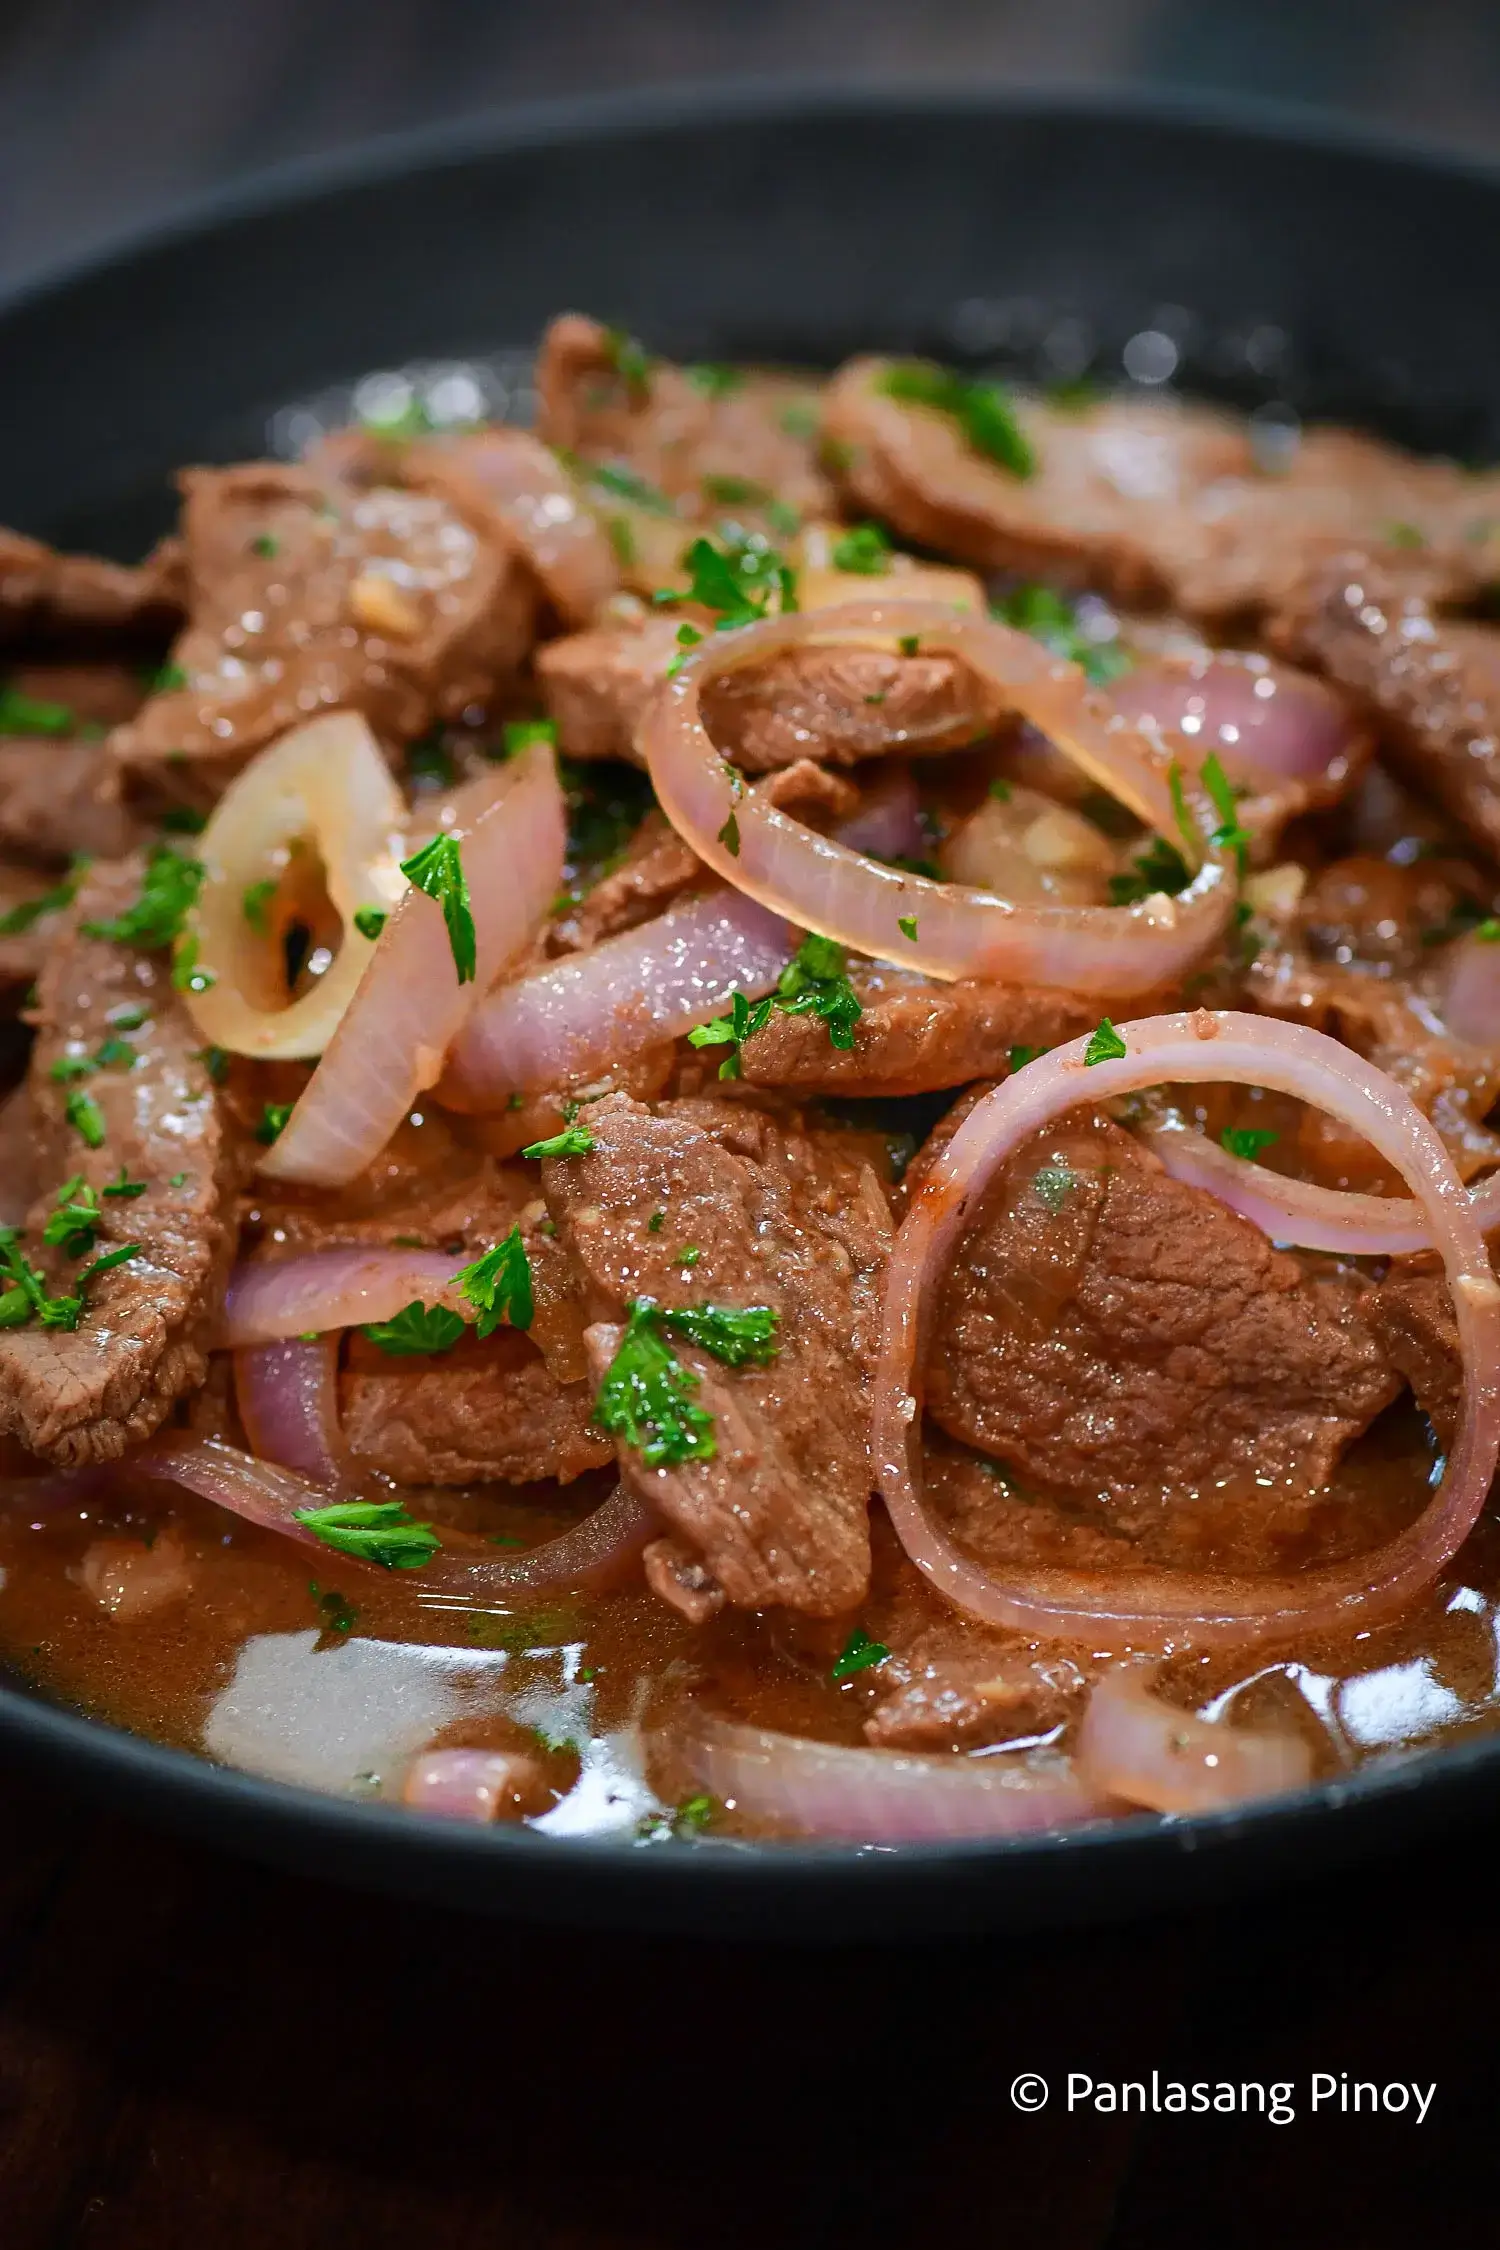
pixel 182 820
pixel 31 910
pixel 907 925
pixel 498 1285
pixel 28 714
pixel 734 492
pixel 626 485
pixel 374 1531
pixel 169 889
pixel 370 921
pixel 429 759
pixel 858 1654
pixel 167 679
pixel 1404 535
pixel 120 1185
pixel 1487 931
pixel 1245 1140
pixel 1105 1044
pixel 519 734
pixel 338 1615
pixel 741 1023
pixel 983 411
pixel 655 1222
pixel 1160 867
pixel 629 361
pixel 729 835
pixel 865 550
pixel 416 1328
pixel 86 1118
pixel 814 983
pixel 1230 836
pixel 1043 613
pixel 254 901
pixel 72 1225
pixel 736 580
pixel 737 1334
pixel 576 1141
pixel 1019 1057
pixel 646 1395
pixel 908 643
pixel 273 1121
pixel 713 378
pixel 265 543
pixel 438 869
pixel 215 1061
pixel 680 1822
pixel 1180 813
pixel 109 1259
pixel 27 1298
pixel 186 974
pixel 1054 1183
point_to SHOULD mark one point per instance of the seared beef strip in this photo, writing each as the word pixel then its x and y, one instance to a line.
pixel 655 867
pixel 488 1411
pixel 779 1514
pixel 47 595
pixel 25 944
pixel 87 1395
pixel 1152 500
pixel 53 798
pixel 1432 683
pixel 1107 1328
pixel 834 704
pixel 1411 1316
pixel 305 594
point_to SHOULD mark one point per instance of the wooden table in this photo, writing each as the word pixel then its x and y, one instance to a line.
pixel 194 2052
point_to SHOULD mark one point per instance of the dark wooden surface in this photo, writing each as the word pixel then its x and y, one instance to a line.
pixel 194 2052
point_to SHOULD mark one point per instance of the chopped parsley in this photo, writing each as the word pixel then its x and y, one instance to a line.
pixel 29 714
pixel 265 543
pixel 1159 868
pixel 121 1185
pixel 438 869
pixel 734 492
pixel 498 1285
pixel 689 1255
pixel 983 411
pixel 1105 1044
pixel 646 1396
pixel 656 1221
pixel 274 1117
pixel 86 1118
pixel 622 539
pixel 31 910
pixel 215 1061
pixel 739 1335
pixel 519 734
pixel 167 679
pixel 858 1654
pixel 1245 1141
pixel 612 477
pixel 1404 535
pixel 338 1615
pixel 713 378
pixel 907 925
pixel 1054 1183
pixel 416 1328
pixel 169 890
pixel 577 1140
pixel 1019 1057
pixel 27 1298
pixel 429 759
pixel 398 423
pixel 182 820
pixel 370 921
pixel 729 835
pixel 187 976
pixel 741 1023
pixel 605 805
pixel 688 636
pixel 1487 931
pixel 373 1531
pixel 254 902
pixel 1229 836
pixel 800 420
pixel 72 1225
pixel 908 643
pixel 736 580
pixel 814 983
pixel 1180 813
pixel 679 1823
pixel 1044 614
pixel 865 550
pixel 629 360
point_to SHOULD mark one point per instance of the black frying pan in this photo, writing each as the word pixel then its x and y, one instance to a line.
pixel 1344 278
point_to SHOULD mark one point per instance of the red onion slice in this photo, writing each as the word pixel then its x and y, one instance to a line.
pixel 1150 1607
pixel 409 1005
pixel 1132 1745
pixel 270 1299
pixel 888 825
pixel 288 1400
pixel 1264 721
pixel 579 1015
pixel 511 475
pixel 473 1785
pixel 953 931
pixel 878 1796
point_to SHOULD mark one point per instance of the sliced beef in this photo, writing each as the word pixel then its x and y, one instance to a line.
pixel 143 1341
pixel 306 593
pixel 1432 683
pixel 45 595
pixel 1106 1328
pixel 55 801
pixel 31 908
pixel 779 1515
pixel 833 704
pixel 1411 1316
pixel 1152 500
pixel 488 1411
pixel 655 868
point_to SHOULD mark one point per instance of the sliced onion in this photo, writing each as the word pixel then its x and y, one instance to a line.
pixel 1264 721
pixel 820 884
pixel 1132 1745
pixel 878 1796
pixel 1152 1608
pixel 512 476
pixel 592 1556
pixel 473 1785
pixel 1468 1001
pixel 581 1014
pixel 326 784
pixel 888 824
pixel 289 1403
pixel 269 1299
pixel 410 1006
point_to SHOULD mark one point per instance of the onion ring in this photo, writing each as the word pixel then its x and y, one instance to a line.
pixel 1132 1745
pixel 272 1299
pixel 820 884
pixel 409 1006
pixel 877 1796
pixel 1149 1607
pixel 511 476
pixel 288 1399
pixel 326 782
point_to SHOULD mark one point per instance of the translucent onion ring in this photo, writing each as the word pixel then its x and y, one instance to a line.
pixel 1151 1608
pixel 1316 1218
pixel 325 783
pixel 270 1300
pixel 1135 1747
pixel 410 1006
pixel 821 885
pixel 288 1399
pixel 511 476
pixel 877 1796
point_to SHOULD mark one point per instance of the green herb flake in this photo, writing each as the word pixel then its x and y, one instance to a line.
pixel 1105 1044
pixel 624 484
pixel 86 1118
pixel 31 910
pixel 577 1140
pixel 110 1259
pixel 130 1016
pixel 909 643
pixel 187 975
pixel 1245 1141
pixel 1019 1057
pixel 1180 813
pixel 858 1654
pixel 274 1117
pixel 985 412
pixel 215 1061
pixel 713 378
pixel 122 1185
pixel 729 835
pixel 1054 1183
pixel 266 544
pixel 732 1030
pixel 907 925
pixel 370 921
pixel 739 1335
pixel 417 1328
pixel 429 759
pixel 255 901
pixel 438 869
pixel 815 983
pixel 646 1397
pixel 373 1531
pixel 337 1615
pixel 1229 835
pixel 182 820
pixel 519 734
pixel 72 1225
pixel 29 714
pixel 1159 868
pixel 865 551
pixel 1487 931
pixel 629 360
pixel 498 1285
pixel 167 679
pixel 688 1257
pixel 1043 613
pixel 27 1298
pixel 169 890
pixel 1404 535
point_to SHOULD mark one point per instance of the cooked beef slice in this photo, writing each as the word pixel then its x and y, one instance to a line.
pixel 833 704
pixel 952 1689
pixel 24 940
pixel 654 869
pixel 486 1411
pixel 1411 1316
pixel 54 801
pixel 1431 683
pixel 45 595
pixel 306 594
pixel 1151 500
pixel 143 1341
pixel 779 1516
pixel 1106 1328
pixel 732 446
pixel 914 1035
